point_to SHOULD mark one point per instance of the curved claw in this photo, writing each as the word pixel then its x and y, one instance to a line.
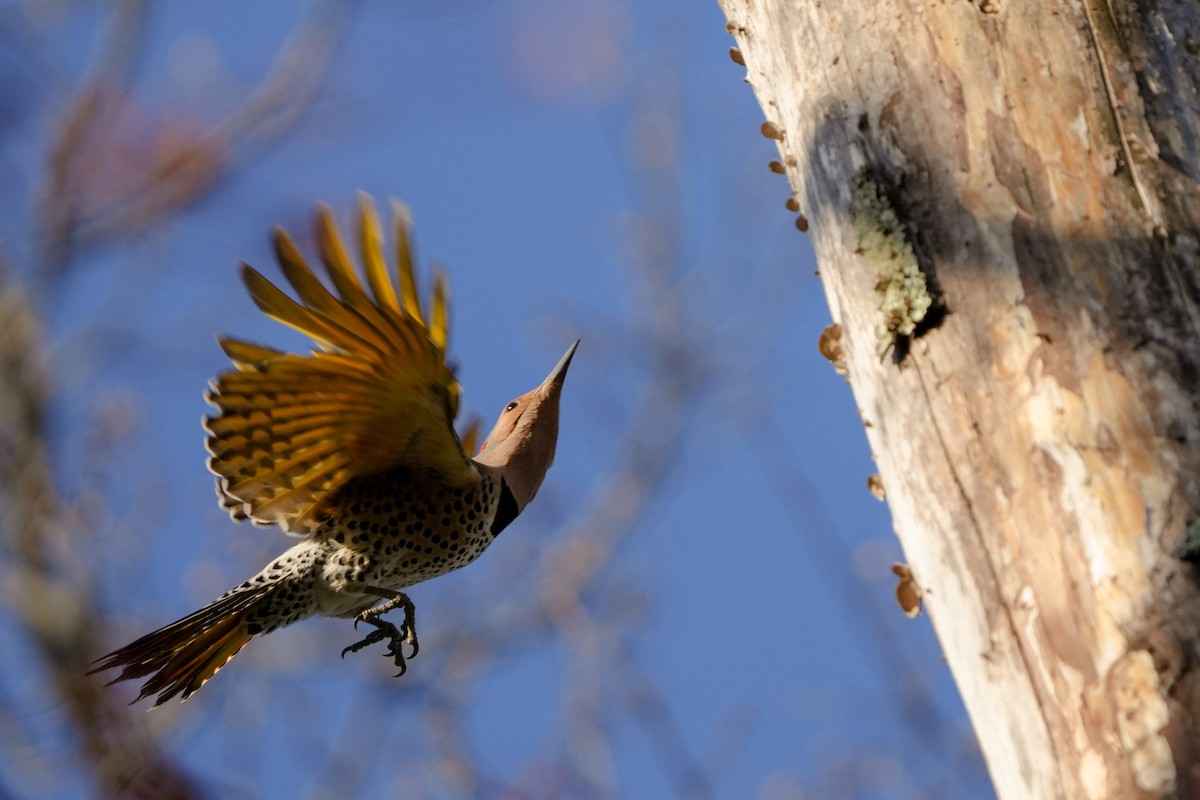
pixel 385 630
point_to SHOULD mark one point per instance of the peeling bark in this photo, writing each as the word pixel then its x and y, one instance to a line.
pixel 1039 440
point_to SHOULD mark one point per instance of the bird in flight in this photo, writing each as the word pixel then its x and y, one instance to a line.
pixel 352 447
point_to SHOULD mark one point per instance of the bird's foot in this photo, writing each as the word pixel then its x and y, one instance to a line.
pixel 407 632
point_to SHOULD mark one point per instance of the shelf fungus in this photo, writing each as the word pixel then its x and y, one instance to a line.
pixel 908 591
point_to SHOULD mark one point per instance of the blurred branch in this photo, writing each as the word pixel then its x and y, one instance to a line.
pixel 904 686
pixel 56 604
pixel 99 182
pixel 59 201
pixel 448 735
pixel 666 740
pixel 192 164
pixel 291 83
pixel 102 181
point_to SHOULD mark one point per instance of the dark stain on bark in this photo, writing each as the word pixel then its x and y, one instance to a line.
pixel 1044 277
pixel 1018 166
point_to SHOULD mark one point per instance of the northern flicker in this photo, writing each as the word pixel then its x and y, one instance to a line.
pixel 353 447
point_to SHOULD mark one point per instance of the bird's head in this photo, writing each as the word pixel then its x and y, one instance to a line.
pixel 521 445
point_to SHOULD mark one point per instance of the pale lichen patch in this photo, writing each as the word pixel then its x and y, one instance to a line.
pixel 900 287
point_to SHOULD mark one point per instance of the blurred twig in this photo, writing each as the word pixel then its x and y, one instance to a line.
pixel 101 185
pixel 53 601
pixel 192 164
pixel 51 592
pixel 59 201
pixel 904 687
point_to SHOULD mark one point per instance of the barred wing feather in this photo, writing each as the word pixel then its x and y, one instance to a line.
pixel 376 393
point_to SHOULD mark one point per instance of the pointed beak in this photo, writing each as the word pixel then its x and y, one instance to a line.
pixel 559 374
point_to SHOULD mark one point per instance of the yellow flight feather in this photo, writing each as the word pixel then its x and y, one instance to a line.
pixel 402 225
pixel 245 354
pixel 439 321
pixel 379 395
pixel 371 245
pixel 321 300
pixel 277 305
pixel 337 261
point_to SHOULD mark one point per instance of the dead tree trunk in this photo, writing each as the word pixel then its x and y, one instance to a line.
pixel 1005 206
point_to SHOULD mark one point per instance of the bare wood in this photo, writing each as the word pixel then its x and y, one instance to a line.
pixel 1039 444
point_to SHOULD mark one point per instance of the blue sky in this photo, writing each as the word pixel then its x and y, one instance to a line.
pixel 751 598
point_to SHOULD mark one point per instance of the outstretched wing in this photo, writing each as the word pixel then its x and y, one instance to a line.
pixel 376 394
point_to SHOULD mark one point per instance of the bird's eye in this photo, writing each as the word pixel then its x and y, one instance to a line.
pixel 511 406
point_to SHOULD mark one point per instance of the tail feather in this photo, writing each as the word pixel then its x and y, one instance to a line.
pixel 182 656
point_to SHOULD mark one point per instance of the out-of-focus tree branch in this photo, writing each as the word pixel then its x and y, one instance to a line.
pixel 88 113
pixel 49 592
pixel 111 173
pixel 98 183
